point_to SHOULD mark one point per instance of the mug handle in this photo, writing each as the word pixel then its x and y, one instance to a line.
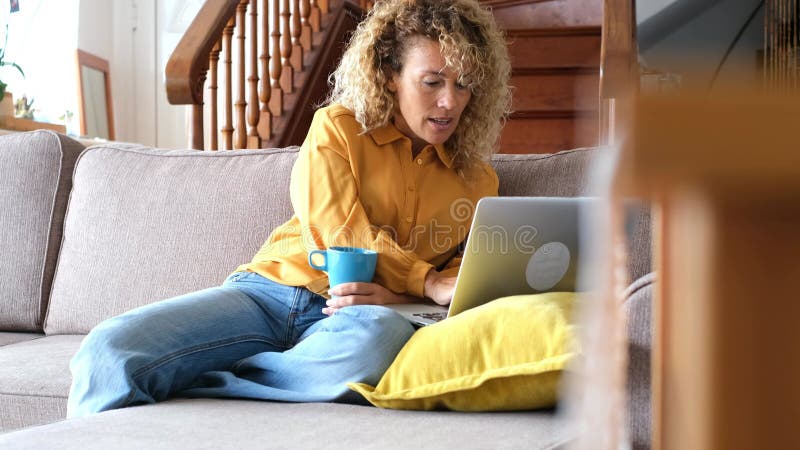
pixel 324 254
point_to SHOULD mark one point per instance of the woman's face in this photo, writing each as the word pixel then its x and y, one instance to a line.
pixel 428 97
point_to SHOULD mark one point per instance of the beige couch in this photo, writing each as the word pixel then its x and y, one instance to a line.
pixel 85 235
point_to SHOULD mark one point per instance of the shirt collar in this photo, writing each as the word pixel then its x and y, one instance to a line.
pixel 389 133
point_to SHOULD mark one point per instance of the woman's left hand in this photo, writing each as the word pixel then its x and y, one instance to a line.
pixel 349 294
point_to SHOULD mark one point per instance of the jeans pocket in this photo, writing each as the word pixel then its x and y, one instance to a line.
pixel 236 276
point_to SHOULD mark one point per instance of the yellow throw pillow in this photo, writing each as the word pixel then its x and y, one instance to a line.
pixel 505 355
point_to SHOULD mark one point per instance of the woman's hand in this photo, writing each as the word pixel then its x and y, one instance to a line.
pixel 349 294
pixel 438 287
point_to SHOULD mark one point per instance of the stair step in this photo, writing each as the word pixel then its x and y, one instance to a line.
pixel 534 134
pixel 559 89
pixel 554 47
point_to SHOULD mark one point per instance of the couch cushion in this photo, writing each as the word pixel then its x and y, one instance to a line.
pixel 35 380
pixel 562 174
pixel 35 179
pixel 241 424
pixel 145 224
pixel 12 337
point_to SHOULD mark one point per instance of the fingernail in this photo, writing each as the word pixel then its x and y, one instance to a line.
pixel 329 302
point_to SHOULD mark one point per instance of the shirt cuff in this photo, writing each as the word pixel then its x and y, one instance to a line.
pixel 415 283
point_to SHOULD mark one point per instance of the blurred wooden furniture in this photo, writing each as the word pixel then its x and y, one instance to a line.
pixel 725 171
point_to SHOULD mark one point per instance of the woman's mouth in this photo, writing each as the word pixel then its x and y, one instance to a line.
pixel 441 123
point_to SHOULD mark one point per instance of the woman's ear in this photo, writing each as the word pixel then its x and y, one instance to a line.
pixel 391 83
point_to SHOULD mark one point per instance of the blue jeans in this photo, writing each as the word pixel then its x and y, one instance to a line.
pixel 249 338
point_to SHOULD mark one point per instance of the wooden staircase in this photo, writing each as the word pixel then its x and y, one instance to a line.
pixel 555 58
pixel 554 47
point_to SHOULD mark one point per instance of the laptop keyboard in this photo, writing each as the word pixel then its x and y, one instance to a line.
pixel 436 317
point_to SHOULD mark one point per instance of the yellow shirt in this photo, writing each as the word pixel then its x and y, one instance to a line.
pixel 367 190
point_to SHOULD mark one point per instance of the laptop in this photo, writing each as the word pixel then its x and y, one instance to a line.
pixel 516 245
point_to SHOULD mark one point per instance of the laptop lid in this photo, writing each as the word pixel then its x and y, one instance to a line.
pixel 519 245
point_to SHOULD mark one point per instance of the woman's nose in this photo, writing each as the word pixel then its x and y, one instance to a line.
pixel 447 98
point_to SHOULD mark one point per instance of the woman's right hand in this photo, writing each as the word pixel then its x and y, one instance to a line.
pixel 438 287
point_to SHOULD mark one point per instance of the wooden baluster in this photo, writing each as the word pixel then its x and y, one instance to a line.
pixel 297 31
pixel 212 98
pixel 265 118
pixel 305 25
pixel 227 103
pixel 275 64
pixel 252 81
pixel 287 77
pixel 324 6
pixel 240 127
pixel 315 18
pixel 196 125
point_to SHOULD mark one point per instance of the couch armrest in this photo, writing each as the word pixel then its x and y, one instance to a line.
pixel 638 300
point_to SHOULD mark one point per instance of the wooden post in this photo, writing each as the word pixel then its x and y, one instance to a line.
pixel 253 108
pixel 287 76
pixel 315 16
pixel 240 137
pixel 306 35
pixel 227 104
pixel 297 31
pixel 275 65
pixel 212 98
pixel 265 118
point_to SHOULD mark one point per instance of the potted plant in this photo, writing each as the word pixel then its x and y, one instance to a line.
pixel 4 63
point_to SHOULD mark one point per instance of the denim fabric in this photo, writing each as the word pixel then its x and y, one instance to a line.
pixel 249 338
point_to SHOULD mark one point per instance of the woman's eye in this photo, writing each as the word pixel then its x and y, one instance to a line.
pixel 431 83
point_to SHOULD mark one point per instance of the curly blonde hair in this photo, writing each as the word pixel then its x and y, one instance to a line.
pixel 472 46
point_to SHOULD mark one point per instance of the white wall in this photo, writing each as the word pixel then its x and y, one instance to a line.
pixel 647 8
pixel 697 47
pixel 137 37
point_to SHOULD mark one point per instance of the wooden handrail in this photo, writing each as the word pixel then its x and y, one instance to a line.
pixel 186 69
pixel 260 96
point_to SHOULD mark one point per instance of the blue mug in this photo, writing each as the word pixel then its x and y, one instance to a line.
pixel 346 264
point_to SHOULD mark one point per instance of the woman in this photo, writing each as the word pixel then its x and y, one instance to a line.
pixel 393 163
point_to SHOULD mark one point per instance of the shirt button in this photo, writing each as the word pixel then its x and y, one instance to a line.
pixel 411 188
pixel 409 219
pixel 419 161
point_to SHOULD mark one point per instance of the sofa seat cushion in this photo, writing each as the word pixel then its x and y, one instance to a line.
pixel 241 424
pixel 145 224
pixel 10 337
pixel 35 179
pixel 35 380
